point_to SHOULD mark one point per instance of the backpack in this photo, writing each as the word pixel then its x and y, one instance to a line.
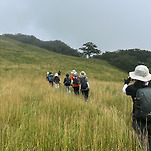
pixel 143 103
pixel 56 80
pixel 76 79
pixel 84 85
pixel 67 82
pixel 50 78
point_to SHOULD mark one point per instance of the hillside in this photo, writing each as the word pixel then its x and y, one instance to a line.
pixel 55 46
pixel 16 55
pixel 126 60
pixel 36 116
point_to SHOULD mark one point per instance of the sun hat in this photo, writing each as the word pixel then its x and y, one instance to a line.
pixel 56 74
pixel 82 73
pixel 141 73
pixel 73 72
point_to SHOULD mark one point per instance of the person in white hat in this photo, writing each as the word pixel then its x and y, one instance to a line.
pixel 47 76
pixel 73 72
pixel 84 85
pixel 75 82
pixel 50 78
pixel 56 80
pixel 141 76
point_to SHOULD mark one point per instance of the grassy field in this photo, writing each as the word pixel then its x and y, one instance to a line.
pixel 36 117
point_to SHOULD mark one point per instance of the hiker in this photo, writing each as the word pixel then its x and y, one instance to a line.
pixel 75 82
pixel 142 77
pixel 67 83
pixel 84 85
pixel 47 74
pixel 56 80
pixel 59 73
pixel 50 78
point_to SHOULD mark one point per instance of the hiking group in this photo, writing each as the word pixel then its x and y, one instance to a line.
pixel 140 91
pixel 78 83
pixel 53 79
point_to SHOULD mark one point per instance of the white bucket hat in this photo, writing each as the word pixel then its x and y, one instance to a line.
pixel 56 74
pixel 141 73
pixel 73 72
pixel 82 73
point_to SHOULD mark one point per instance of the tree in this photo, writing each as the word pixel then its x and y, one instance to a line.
pixel 89 49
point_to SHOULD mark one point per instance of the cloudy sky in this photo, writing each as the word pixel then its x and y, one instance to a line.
pixel 110 24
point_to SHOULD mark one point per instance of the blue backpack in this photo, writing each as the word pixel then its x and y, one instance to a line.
pixel 50 78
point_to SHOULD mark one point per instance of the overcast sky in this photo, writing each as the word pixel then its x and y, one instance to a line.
pixel 110 24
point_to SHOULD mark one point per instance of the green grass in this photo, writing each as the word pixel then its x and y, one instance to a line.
pixel 35 116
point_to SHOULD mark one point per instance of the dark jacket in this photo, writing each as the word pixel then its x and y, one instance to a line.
pixel 56 79
pixel 67 81
pixel 131 90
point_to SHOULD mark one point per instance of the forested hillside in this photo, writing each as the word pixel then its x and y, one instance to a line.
pixel 126 60
pixel 56 45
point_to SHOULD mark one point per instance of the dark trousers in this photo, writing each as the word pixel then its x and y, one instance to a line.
pixel 76 90
pixel 51 82
pixel 143 130
pixel 85 94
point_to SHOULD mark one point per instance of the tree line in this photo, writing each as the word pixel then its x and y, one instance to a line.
pixel 56 45
pixel 127 59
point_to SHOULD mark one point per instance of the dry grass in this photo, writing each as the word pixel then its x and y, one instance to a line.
pixel 35 116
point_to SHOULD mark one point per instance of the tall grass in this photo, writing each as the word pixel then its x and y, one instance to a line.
pixel 36 116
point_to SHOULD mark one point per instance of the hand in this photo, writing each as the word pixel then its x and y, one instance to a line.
pixel 127 81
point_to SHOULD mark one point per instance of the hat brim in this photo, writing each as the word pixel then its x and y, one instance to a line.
pixel 82 74
pixel 136 77
pixel 73 72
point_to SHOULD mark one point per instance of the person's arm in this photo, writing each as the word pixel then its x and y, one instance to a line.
pixel 88 83
pixel 71 79
pixel 64 80
pixel 126 82
pixel 124 88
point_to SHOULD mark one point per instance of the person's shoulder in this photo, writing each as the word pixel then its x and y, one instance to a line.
pixel 131 88
pixel 149 85
pixel 85 78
